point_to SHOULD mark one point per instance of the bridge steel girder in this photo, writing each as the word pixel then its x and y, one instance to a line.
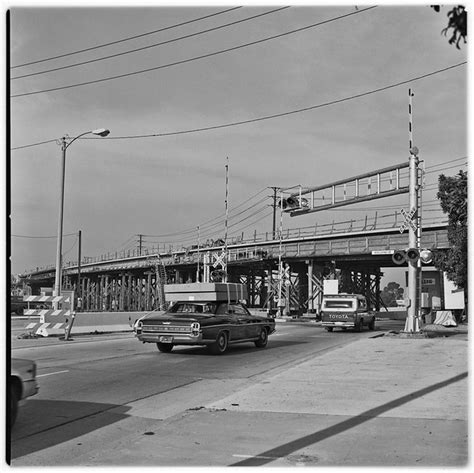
pixel 132 283
pixel 137 290
pixel 363 282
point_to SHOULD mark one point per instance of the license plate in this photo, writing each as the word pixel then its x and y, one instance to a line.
pixel 166 339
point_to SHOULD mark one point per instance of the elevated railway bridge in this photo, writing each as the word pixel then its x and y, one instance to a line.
pixel 133 282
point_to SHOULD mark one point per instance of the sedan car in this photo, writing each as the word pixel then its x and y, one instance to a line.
pixel 216 324
pixel 22 384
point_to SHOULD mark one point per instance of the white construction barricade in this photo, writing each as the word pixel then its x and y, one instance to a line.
pixel 52 321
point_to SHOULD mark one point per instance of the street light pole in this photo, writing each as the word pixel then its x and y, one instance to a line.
pixel 59 245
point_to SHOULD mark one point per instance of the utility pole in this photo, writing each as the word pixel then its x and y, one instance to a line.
pixel 198 255
pixel 226 256
pixel 274 205
pixel 59 247
pixel 79 292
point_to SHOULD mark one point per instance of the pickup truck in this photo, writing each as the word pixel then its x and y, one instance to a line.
pixel 346 311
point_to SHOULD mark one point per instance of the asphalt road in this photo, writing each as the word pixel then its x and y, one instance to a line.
pixel 102 397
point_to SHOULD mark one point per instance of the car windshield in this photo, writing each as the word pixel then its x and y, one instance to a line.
pixel 339 304
pixel 195 307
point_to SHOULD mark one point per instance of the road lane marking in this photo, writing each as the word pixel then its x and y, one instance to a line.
pixel 49 374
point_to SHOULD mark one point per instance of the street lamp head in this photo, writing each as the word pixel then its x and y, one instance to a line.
pixel 101 132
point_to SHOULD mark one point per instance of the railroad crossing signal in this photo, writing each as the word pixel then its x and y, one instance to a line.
pixel 408 216
pixel 412 255
pixel 219 260
pixel 285 275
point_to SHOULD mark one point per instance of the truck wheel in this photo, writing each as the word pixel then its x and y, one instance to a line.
pixel 220 345
pixel 328 329
pixel 372 324
pixel 165 347
pixel 262 339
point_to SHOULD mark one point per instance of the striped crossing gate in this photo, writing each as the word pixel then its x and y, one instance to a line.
pixel 51 321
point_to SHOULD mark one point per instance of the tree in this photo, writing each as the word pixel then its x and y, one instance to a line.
pixel 452 194
pixel 15 285
pixel 391 293
pixel 457 21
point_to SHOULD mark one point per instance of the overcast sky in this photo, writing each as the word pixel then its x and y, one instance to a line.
pixel 165 186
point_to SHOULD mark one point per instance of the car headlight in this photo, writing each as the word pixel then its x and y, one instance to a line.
pixel 138 325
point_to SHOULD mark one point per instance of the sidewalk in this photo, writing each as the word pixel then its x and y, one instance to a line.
pixel 387 401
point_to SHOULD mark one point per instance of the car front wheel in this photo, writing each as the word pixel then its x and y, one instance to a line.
pixel 328 329
pixel 165 347
pixel 262 339
pixel 220 345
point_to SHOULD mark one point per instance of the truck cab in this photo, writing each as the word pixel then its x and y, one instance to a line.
pixel 346 311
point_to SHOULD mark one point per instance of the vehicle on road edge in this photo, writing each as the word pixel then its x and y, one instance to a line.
pixel 346 311
pixel 22 384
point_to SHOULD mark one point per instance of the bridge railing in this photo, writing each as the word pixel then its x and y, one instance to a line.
pixel 386 221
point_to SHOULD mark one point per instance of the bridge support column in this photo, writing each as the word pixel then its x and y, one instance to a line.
pixel 302 289
pixel 315 287
pixel 86 294
pixel 310 287
pixel 122 293
pixel 148 290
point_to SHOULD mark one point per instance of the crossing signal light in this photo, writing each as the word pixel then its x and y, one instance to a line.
pixel 293 202
pixel 399 257
pixel 413 255
pixel 426 256
pixel 289 202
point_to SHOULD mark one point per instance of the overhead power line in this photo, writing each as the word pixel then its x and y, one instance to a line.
pixel 151 45
pixel 29 236
pixel 445 162
pixel 196 58
pixel 270 117
pixel 446 168
pixel 35 144
pixel 218 220
pixel 124 39
pixel 291 112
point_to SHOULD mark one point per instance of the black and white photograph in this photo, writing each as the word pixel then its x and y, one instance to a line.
pixel 236 235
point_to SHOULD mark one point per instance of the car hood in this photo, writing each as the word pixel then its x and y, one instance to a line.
pixel 18 363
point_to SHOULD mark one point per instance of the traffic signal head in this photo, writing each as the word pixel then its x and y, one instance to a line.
pixel 399 257
pixel 426 256
pixel 413 255
pixel 293 202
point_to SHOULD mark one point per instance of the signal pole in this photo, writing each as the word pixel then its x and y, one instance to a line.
pixel 412 323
